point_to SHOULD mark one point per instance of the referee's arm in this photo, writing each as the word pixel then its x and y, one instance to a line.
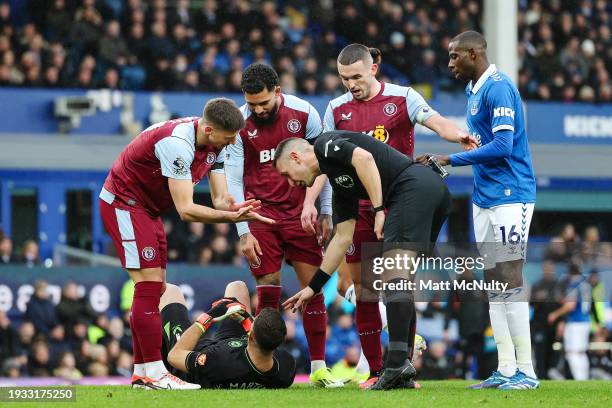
pixel 185 345
pixel 368 174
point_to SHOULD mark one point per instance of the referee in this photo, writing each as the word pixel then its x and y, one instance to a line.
pixel 411 203
pixel 241 354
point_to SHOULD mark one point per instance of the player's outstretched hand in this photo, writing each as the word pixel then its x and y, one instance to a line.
pixel 248 214
pixel 250 249
pixel 253 203
pixel 309 219
pixel 299 299
pixel 379 224
pixel 324 227
pixel 467 141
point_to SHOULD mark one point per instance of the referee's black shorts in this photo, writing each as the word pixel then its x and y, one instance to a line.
pixel 175 321
pixel 418 203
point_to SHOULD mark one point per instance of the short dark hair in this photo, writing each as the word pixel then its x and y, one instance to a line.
pixel 257 77
pixel 358 52
pixel 282 146
pixel 470 39
pixel 269 329
pixel 224 114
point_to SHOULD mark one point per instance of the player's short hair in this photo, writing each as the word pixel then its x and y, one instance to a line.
pixel 269 329
pixel 257 77
pixel 359 52
pixel 223 113
pixel 470 40
pixel 284 146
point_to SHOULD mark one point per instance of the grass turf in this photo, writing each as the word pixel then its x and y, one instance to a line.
pixel 433 394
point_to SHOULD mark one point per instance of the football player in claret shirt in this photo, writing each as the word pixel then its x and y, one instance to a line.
pixel 158 169
pixel 502 202
pixel 299 232
pixel 388 113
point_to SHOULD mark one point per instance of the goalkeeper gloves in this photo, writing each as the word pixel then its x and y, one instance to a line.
pixel 221 309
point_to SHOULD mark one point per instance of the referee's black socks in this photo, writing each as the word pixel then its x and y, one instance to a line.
pixel 401 318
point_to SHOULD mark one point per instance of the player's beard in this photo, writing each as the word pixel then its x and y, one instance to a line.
pixel 266 121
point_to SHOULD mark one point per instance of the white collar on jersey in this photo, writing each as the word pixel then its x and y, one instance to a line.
pixel 483 78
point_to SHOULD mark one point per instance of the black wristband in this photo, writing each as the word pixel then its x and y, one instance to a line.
pixel 319 279
pixel 379 208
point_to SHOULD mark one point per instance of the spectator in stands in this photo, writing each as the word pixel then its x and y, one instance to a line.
pixel 26 337
pixel 554 39
pixel 600 359
pixel 545 297
pixel 9 339
pixel 73 308
pixel 39 362
pixel 194 241
pixel 30 254
pixel 6 251
pixel 40 310
pixel 112 48
pixel 470 309
pixel 123 366
pixel 57 343
pixel 66 368
pixel 436 364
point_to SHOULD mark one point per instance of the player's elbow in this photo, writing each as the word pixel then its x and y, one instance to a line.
pixel 186 216
pixel 173 358
pixel 506 151
pixel 361 157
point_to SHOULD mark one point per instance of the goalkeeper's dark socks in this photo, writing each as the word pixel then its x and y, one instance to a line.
pixel 369 325
pixel 268 296
pixel 400 311
pixel 147 322
pixel 314 317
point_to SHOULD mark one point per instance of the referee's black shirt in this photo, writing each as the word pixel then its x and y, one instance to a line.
pixel 334 150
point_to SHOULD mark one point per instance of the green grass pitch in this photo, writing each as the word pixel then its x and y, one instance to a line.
pixel 433 394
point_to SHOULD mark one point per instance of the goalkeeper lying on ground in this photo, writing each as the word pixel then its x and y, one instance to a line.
pixel 241 353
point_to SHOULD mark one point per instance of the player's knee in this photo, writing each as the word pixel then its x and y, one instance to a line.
pixel 269 279
pixel 343 285
pixel 172 294
pixel 236 287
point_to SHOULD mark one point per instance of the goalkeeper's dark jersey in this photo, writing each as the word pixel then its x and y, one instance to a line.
pixel 226 364
pixel 220 358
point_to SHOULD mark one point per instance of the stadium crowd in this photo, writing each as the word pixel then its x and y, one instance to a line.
pixel 70 340
pixel 565 47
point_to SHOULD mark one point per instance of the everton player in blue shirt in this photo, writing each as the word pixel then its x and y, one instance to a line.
pixel 503 201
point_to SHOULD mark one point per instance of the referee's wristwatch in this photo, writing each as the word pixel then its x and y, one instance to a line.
pixel 379 208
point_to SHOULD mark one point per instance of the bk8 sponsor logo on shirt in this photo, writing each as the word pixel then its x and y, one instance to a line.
pixel 379 133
